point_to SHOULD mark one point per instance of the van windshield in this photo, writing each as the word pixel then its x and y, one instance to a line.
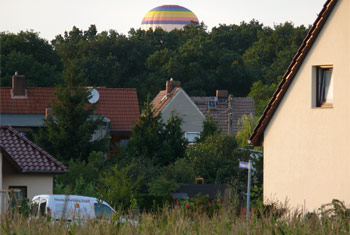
pixel 35 206
pixel 102 211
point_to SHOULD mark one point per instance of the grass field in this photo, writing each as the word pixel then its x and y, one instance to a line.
pixel 335 219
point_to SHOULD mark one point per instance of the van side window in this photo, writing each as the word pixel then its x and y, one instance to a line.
pixel 43 208
pixel 102 211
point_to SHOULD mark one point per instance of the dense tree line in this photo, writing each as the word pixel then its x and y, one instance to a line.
pixel 244 59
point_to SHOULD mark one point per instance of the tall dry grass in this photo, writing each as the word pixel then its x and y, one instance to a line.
pixel 334 220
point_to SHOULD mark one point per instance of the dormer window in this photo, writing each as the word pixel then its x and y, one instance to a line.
pixel 211 104
pixel 324 86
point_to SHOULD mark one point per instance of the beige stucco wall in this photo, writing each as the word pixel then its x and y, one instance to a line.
pixel 36 184
pixel 183 106
pixel 307 149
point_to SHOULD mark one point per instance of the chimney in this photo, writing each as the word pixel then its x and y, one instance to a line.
pixel 48 113
pixel 221 94
pixel 18 85
pixel 199 180
pixel 171 84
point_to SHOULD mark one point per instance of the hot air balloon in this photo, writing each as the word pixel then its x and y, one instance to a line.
pixel 168 17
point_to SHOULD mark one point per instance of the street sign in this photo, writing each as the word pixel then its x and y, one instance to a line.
pixel 248 166
pixel 243 165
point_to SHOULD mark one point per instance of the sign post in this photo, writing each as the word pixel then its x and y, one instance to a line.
pixel 247 166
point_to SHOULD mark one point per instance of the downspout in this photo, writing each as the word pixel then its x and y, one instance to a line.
pixel 230 115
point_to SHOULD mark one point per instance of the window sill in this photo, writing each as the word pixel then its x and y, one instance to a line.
pixel 324 106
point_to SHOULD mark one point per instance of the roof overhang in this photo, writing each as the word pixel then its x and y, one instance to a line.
pixel 115 132
pixel 22 120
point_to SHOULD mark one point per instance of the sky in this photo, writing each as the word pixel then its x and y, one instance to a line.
pixel 53 17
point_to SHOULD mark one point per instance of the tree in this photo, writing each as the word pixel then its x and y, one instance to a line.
pixel 147 139
pixel 268 58
pixel 247 125
pixel 32 56
pixel 214 159
pixel 261 94
pixel 67 132
pixel 118 186
pixel 210 127
pixel 174 140
pixel 172 176
pixel 82 177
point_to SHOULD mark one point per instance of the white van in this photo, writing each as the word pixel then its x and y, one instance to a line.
pixel 70 207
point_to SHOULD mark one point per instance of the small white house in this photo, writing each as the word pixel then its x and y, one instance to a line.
pixel 175 99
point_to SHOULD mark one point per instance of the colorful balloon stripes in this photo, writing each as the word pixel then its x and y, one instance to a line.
pixel 168 17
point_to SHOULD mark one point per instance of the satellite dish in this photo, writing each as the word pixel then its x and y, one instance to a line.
pixel 94 96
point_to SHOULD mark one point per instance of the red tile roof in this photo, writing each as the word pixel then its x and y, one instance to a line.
pixel 257 138
pixel 25 155
pixel 162 99
pixel 119 105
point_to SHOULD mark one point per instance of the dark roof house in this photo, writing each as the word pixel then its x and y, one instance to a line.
pixel 24 165
pixel 225 109
pixel 26 156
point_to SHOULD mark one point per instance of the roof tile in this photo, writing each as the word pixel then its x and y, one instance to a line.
pixel 119 105
pixel 162 99
pixel 220 114
pixel 27 155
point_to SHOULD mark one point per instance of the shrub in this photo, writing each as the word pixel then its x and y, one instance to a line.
pixel 199 205
pixel 152 202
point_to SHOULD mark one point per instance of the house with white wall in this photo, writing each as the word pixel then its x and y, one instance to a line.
pixel 24 167
pixel 305 128
pixel 175 99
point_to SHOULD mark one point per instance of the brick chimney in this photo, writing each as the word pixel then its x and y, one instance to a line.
pixel 199 180
pixel 48 113
pixel 18 85
pixel 171 84
pixel 221 94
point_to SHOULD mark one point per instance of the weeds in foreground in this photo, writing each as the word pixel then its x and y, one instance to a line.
pixel 333 218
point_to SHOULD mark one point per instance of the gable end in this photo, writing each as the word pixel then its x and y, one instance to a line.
pixel 257 137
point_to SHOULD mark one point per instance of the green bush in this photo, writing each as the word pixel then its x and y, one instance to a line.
pixel 199 205
pixel 152 202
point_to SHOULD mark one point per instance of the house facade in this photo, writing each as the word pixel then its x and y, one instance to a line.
pixel 24 167
pixel 175 99
pixel 305 127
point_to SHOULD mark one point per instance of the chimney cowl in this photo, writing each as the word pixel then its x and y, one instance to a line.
pixel 18 86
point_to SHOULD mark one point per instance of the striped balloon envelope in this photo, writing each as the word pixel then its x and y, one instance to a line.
pixel 168 17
